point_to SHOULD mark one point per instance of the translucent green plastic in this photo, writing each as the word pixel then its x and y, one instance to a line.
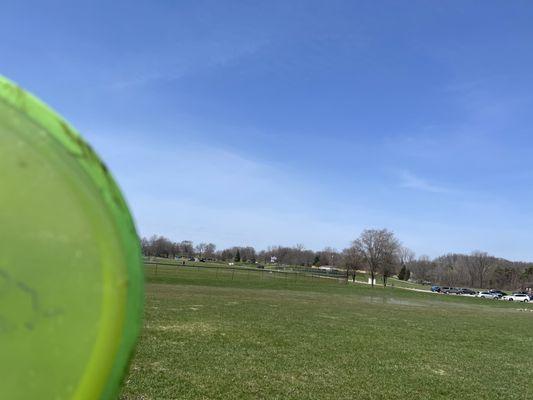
pixel 70 264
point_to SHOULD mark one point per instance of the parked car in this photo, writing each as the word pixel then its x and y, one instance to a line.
pixel 517 297
pixel 498 293
pixel 467 292
pixel 487 295
pixel 435 289
pixel 454 290
pixel 445 289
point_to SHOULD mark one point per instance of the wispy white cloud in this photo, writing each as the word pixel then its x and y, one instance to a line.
pixel 409 180
pixel 189 58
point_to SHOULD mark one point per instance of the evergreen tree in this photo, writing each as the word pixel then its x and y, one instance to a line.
pixel 407 275
pixel 402 273
pixel 316 261
pixel 238 256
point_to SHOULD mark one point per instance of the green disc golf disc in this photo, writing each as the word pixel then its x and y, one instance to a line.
pixel 71 275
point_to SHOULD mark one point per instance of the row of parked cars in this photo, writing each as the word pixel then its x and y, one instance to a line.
pixel 488 294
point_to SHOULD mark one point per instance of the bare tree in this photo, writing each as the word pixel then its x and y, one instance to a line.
pixel 388 267
pixel 209 250
pixel 406 256
pixel 423 269
pixel 329 256
pixel 186 248
pixel 478 264
pixel 200 249
pixel 352 260
pixel 247 254
pixel 378 249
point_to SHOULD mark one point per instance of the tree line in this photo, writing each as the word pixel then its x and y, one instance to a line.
pixel 376 251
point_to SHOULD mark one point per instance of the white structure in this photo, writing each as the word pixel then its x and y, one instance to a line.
pixel 370 281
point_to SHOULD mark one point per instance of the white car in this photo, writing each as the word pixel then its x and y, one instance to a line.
pixel 517 297
pixel 487 295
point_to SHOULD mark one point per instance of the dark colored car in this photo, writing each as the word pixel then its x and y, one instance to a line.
pixel 449 290
pixel 468 292
pixel 435 289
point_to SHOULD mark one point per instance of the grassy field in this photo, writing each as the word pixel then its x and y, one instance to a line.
pixel 242 335
pixel 165 263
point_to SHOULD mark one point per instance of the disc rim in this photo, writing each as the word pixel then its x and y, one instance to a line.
pixel 74 145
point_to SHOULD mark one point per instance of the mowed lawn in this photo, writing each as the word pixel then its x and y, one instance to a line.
pixel 212 335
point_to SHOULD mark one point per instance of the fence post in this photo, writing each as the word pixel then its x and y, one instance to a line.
pixel 156 269
pixel 232 273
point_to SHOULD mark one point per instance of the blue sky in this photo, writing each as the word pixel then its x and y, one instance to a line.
pixel 263 123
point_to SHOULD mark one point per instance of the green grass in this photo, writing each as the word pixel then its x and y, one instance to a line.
pixel 214 335
pixel 360 276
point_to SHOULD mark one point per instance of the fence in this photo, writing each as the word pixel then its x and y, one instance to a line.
pixel 168 269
